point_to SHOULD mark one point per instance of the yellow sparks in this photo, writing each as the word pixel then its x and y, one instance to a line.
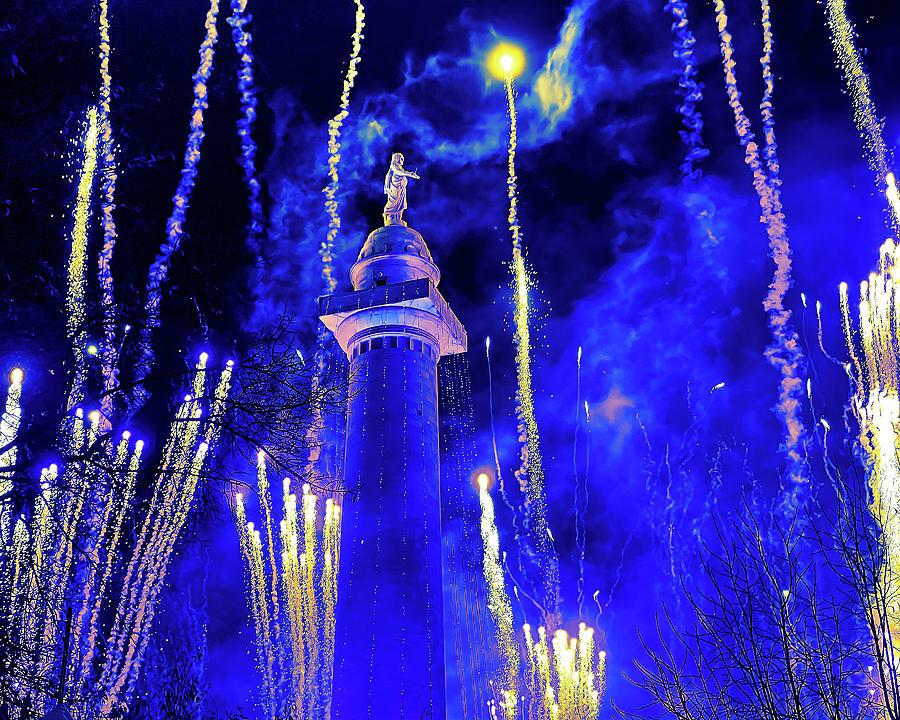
pixel 263 486
pixel 308 580
pixel 876 403
pixel 9 431
pixel 506 60
pixel 871 127
pixel 326 251
pixel 75 307
pixel 893 196
pixel 566 680
pixel 536 501
pixel 499 606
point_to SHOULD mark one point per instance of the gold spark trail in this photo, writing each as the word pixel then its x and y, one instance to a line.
pixel 9 432
pixel 175 486
pixel 75 308
pixel 507 695
pixel 332 531
pixel 262 481
pixel 108 175
pixel 326 250
pixel 565 679
pixel 308 564
pixel 308 580
pixel 875 369
pixel 258 575
pixel 537 512
pixel 181 200
pixel 124 505
pixel 73 481
pixel 893 195
pixel 115 643
pixel 177 514
pixel 95 544
pixel 871 127
pixel 294 588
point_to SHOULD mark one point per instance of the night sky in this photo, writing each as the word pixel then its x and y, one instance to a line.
pixel 663 313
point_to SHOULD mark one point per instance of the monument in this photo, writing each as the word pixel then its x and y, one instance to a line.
pixel 394 327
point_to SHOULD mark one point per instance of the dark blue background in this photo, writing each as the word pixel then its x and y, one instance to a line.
pixel 663 312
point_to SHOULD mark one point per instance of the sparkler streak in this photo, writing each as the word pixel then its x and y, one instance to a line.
pixel 176 484
pixel 785 353
pixel 109 352
pixel 499 606
pixel 243 43
pixel 875 374
pixel 76 311
pixel 870 125
pixel 691 92
pixel 265 498
pixel 94 546
pixel 536 509
pixel 182 198
pixel 124 505
pixel 326 250
pixel 9 431
pixel 308 579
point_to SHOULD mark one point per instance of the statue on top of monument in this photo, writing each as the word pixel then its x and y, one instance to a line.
pixel 395 189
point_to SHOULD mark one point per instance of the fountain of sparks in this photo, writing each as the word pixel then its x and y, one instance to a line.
pixel 73 542
pixel 562 679
pixel 874 368
pixel 506 62
pixel 565 680
pixel 507 683
pixel 294 631
pixel 66 554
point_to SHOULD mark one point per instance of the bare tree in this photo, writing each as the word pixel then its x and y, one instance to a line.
pixel 274 398
pixel 785 622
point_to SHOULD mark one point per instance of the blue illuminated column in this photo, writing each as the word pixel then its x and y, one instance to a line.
pixel 394 327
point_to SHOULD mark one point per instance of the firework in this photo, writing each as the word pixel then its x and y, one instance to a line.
pixel 326 250
pixel 108 353
pixel 243 43
pixel 785 353
pixel 871 127
pixel 182 198
pixel 76 311
pixel 9 431
pixel 510 61
pixel 499 606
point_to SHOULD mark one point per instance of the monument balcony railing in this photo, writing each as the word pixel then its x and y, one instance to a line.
pixel 419 293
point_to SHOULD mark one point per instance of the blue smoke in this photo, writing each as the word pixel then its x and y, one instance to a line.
pixel 658 279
